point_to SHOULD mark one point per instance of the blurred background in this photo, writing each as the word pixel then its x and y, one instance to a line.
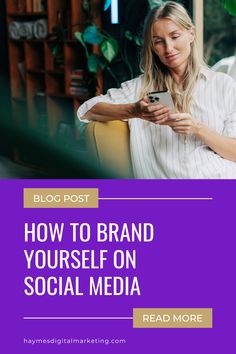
pixel 56 54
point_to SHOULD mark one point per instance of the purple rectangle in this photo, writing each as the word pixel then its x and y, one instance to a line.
pixel 189 264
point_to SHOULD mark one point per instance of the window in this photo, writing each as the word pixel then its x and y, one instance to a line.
pixel 219 33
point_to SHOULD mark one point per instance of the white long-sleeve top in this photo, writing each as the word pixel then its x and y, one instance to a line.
pixel 159 152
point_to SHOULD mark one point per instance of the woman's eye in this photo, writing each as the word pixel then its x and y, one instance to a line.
pixel 175 37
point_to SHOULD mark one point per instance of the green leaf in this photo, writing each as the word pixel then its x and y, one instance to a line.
pixel 107 4
pixel 154 3
pixel 138 41
pixel 102 62
pixel 110 48
pixel 79 36
pixel 230 6
pixel 92 35
pixel 55 50
pixel 128 35
pixel 93 62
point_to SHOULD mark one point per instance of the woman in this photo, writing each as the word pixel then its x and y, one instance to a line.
pixel 198 140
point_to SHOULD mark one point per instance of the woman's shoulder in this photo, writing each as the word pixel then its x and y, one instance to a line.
pixel 132 88
pixel 133 82
pixel 217 76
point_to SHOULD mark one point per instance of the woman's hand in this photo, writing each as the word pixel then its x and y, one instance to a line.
pixel 154 113
pixel 182 123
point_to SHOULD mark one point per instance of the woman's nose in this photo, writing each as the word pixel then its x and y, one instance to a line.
pixel 169 47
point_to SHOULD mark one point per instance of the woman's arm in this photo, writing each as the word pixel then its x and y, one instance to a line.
pixel 103 112
pixel 183 123
pixel 222 145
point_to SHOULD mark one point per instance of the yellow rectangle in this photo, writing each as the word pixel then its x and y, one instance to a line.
pixel 60 198
pixel 172 318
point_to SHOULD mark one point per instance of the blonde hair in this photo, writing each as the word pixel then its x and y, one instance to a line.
pixel 156 74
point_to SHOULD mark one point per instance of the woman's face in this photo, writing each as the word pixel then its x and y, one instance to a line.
pixel 172 43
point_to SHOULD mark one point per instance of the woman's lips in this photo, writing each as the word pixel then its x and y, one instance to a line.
pixel 171 56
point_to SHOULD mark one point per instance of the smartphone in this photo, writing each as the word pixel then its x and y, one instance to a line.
pixel 161 97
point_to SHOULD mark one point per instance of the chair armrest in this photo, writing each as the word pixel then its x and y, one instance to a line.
pixel 108 142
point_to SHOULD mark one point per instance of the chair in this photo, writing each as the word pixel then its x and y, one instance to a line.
pixel 108 143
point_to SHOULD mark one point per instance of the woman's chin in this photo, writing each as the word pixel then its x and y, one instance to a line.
pixel 173 64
